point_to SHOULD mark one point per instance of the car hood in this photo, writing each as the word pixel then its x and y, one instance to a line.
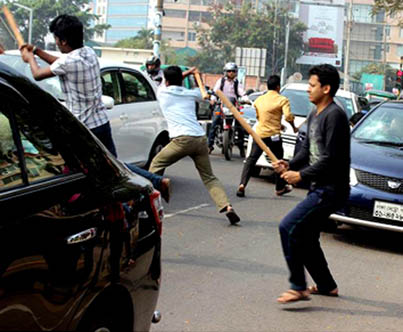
pixel 377 159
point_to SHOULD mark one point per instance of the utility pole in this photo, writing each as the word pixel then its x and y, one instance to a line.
pixel 157 27
pixel 30 20
pixel 346 85
pixel 384 54
pixel 273 58
pixel 287 37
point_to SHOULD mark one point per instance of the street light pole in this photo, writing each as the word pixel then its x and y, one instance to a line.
pixel 346 85
pixel 30 20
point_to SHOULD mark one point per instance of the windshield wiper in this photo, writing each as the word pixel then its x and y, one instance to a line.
pixel 371 141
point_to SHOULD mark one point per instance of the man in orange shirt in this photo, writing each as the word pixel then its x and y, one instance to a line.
pixel 269 110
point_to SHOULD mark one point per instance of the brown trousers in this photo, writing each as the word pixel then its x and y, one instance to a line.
pixel 196 148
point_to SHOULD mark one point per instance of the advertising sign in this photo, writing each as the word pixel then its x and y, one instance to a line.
pixel 323 40
pixel 253 59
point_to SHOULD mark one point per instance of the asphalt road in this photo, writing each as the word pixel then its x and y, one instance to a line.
pixel 218 277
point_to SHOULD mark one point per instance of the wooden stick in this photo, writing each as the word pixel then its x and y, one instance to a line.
pixel 201 86
pixel 13 26
pixel 244 124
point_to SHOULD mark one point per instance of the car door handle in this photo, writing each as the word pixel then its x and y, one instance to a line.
pixel 124 117
pixel 83 236
pixel 154 112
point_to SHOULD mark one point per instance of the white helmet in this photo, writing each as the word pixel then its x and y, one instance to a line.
pixel 231 66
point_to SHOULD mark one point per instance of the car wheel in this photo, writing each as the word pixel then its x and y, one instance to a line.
pixel 158 145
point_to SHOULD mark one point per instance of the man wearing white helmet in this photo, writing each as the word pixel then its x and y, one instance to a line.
pixel 231 88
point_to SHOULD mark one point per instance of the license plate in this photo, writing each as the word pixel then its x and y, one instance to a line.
pixel 288 151
pixel 388 211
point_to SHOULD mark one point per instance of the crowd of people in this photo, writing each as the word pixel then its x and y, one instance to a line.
pixel 325 149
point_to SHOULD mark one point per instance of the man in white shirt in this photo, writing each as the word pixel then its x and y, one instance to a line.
pixel 187 137
pixel 232 89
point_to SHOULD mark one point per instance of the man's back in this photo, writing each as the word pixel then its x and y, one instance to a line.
pixel 79 73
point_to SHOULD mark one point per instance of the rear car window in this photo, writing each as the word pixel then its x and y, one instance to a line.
pixel 299 101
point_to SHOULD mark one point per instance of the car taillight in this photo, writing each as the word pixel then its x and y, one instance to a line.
pixel 158 209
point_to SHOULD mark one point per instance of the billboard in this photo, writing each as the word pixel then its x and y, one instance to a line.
pixel 323 40
pixel 253 59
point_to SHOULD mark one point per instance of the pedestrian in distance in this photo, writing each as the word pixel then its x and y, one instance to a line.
pixel 270 109
pixel 80 77
pixel 232 89
pixel 326 151
pixel 187 137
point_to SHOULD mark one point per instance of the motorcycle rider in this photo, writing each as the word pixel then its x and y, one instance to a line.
pixel 153 67
pixel 231 88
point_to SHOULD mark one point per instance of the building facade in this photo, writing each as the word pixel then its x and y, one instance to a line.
pixel 374 39
pixel 126 18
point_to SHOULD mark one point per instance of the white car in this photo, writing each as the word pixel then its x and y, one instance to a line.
pixel 300 107
pixel 139 128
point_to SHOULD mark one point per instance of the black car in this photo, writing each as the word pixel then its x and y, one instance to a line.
pixel 80 235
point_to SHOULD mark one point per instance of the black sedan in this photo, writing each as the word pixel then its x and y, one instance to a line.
pixel 80 235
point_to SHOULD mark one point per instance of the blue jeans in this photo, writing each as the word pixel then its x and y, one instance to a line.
pixel 300 231
pixel 154 178
pixel 217 119
pixel 104 134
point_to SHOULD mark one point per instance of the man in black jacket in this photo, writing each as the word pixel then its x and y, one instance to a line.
pixel 326 151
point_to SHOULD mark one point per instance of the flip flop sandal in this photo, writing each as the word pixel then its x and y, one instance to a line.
pixel 315 291
pixel 291 296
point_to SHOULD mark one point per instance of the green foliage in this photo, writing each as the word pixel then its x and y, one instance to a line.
pixel 375 68
pixel 233 27
pixel 391 7
pixel 142 40
pixel 46 10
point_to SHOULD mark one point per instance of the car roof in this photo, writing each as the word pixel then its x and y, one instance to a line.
pixel 304 87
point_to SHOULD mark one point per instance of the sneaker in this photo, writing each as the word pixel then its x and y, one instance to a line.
pixel 285 190
pixel 165 189
pixel 241 191
pixel 210 149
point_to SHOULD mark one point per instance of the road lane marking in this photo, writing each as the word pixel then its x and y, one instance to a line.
pixel 169 215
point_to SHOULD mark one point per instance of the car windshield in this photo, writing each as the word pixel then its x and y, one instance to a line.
pixel 299 100
pixel 347 105
pixel 382 126
pixel 51 85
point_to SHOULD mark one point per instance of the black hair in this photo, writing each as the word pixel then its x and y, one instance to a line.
pixel 273 82
pixel 173 74
pixel 327 75
pixel 68 28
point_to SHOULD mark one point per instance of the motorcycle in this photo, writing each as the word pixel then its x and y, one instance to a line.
pixel 229 132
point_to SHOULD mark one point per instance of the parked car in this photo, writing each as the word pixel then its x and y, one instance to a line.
pixel 80 234
pixel 139 128
pixel 377 96
pixel 376 176
pixel 300 107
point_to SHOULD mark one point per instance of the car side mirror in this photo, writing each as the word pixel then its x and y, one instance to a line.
pixel 109 102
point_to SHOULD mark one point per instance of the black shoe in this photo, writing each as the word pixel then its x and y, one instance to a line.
pixel 210 149
pixel 241 192
pixel 233 217
pixel 285 190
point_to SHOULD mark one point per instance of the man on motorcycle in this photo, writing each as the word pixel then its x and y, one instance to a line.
pixel 153 67
pixel 231 88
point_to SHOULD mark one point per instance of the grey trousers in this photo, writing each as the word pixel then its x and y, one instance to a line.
pixel 196 148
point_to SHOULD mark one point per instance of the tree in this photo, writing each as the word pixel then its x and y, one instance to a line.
pixel 142 40
pixel 376 68
pixel 44 11
pixel 232 27
pixel 390 7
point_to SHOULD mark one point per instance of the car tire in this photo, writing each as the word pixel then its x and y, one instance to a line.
pixel 158 145
pixel 227 146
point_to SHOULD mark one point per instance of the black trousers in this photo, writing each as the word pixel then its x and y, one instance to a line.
pixel 276 147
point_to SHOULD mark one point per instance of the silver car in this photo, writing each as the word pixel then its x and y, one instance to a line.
pixel 139 128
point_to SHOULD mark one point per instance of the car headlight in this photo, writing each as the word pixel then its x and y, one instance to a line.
pixel 226 111
pixel 353 178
